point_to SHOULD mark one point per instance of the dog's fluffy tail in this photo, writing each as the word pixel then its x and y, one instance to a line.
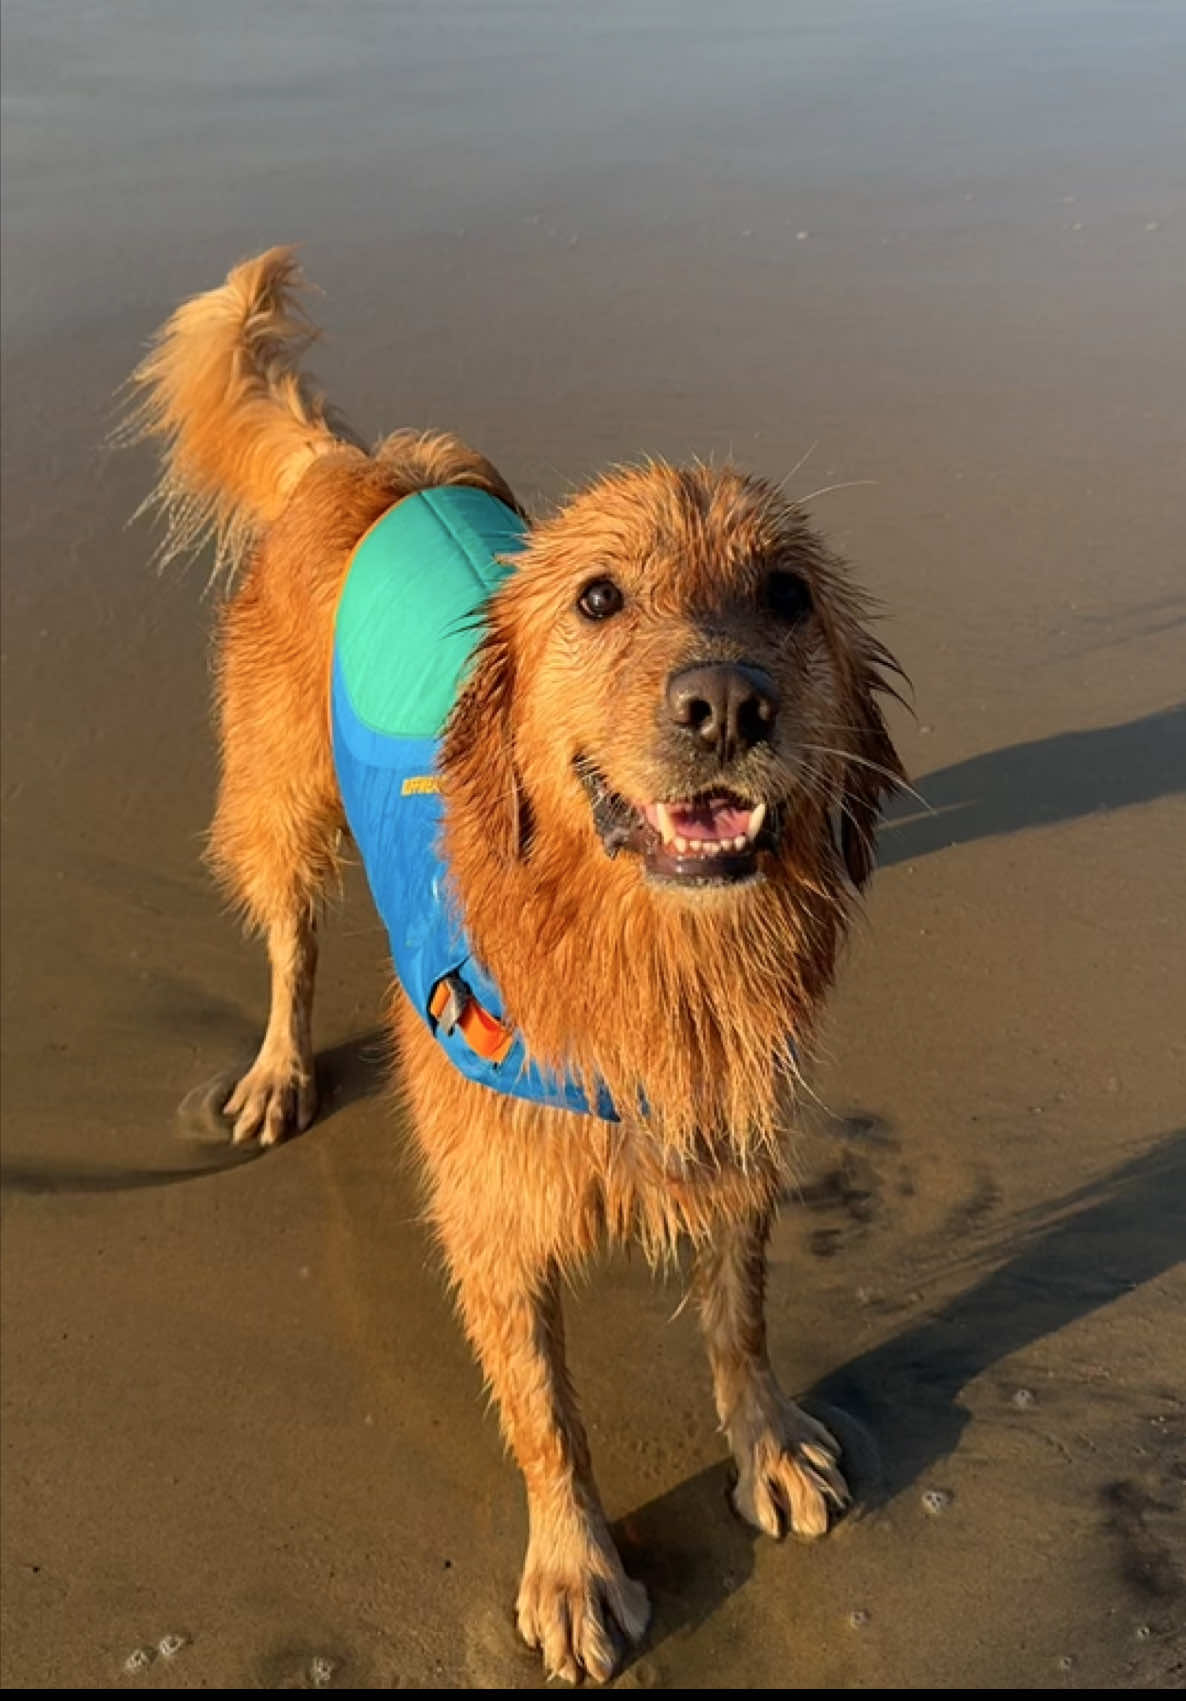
pixel 238 424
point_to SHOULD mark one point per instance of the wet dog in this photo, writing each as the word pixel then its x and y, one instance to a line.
pixel 653 798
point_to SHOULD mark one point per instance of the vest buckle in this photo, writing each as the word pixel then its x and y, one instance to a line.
pixel 452 1006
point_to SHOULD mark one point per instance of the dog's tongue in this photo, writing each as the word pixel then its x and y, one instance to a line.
pixel 714 819
pixel 709 819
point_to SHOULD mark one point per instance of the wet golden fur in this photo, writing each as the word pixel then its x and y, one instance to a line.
pixel 681 1001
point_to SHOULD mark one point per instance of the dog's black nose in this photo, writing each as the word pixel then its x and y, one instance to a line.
pixel 725 706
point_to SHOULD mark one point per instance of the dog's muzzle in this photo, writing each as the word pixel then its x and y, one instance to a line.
pixel 712 839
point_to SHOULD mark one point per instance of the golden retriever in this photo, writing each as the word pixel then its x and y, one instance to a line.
pixel 660 781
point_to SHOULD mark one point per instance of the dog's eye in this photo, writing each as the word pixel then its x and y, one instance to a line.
pixel 600 599
pixel 789 596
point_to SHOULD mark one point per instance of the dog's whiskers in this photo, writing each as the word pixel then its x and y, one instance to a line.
pixel 800 463
pixel 896 780
pixel 827 489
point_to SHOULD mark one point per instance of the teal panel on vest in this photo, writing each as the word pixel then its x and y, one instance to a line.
pixel 411 610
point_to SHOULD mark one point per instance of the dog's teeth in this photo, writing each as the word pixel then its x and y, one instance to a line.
pixel 682 845
pixel 666 828
pixel 740 842
pixel 756 817
pixel 712 847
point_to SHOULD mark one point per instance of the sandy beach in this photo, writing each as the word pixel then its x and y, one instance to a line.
pixel 929 256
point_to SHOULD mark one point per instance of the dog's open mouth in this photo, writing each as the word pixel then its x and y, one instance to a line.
pixel 711 839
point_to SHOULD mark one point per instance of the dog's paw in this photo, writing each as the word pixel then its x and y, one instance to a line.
pixel 788 1477
pixel 270 1103
pixel 582 1613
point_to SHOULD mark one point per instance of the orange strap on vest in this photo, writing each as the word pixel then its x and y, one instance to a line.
pixel 453 1005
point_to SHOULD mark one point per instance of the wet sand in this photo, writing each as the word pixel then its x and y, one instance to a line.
pixel 935 248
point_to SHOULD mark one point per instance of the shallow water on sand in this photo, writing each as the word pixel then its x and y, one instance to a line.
pixel 929 252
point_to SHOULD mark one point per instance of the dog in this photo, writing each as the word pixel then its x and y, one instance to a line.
pixel 643 820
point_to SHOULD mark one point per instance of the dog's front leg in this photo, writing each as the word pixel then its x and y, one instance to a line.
pixel 786 1461
pixel 576 1603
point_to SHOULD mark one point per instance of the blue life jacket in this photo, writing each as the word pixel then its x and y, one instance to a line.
pixel 407 624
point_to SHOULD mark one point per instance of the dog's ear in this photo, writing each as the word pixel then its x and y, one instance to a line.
pixel 482 779
pixel 873 775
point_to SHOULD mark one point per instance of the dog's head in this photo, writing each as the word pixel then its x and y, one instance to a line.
pixel 677 687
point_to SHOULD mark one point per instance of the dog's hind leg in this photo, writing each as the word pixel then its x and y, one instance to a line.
pixel 274 844
pixel 278 1094
pixel 787 1472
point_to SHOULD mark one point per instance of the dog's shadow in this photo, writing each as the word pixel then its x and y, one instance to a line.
pixel 356 1069
pixel 693 1551
pixel 348 1073
pixel 690 1549
pixel 896 1408
pixel 1039 784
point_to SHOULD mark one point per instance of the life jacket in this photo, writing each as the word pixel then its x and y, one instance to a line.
pixel 410 616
